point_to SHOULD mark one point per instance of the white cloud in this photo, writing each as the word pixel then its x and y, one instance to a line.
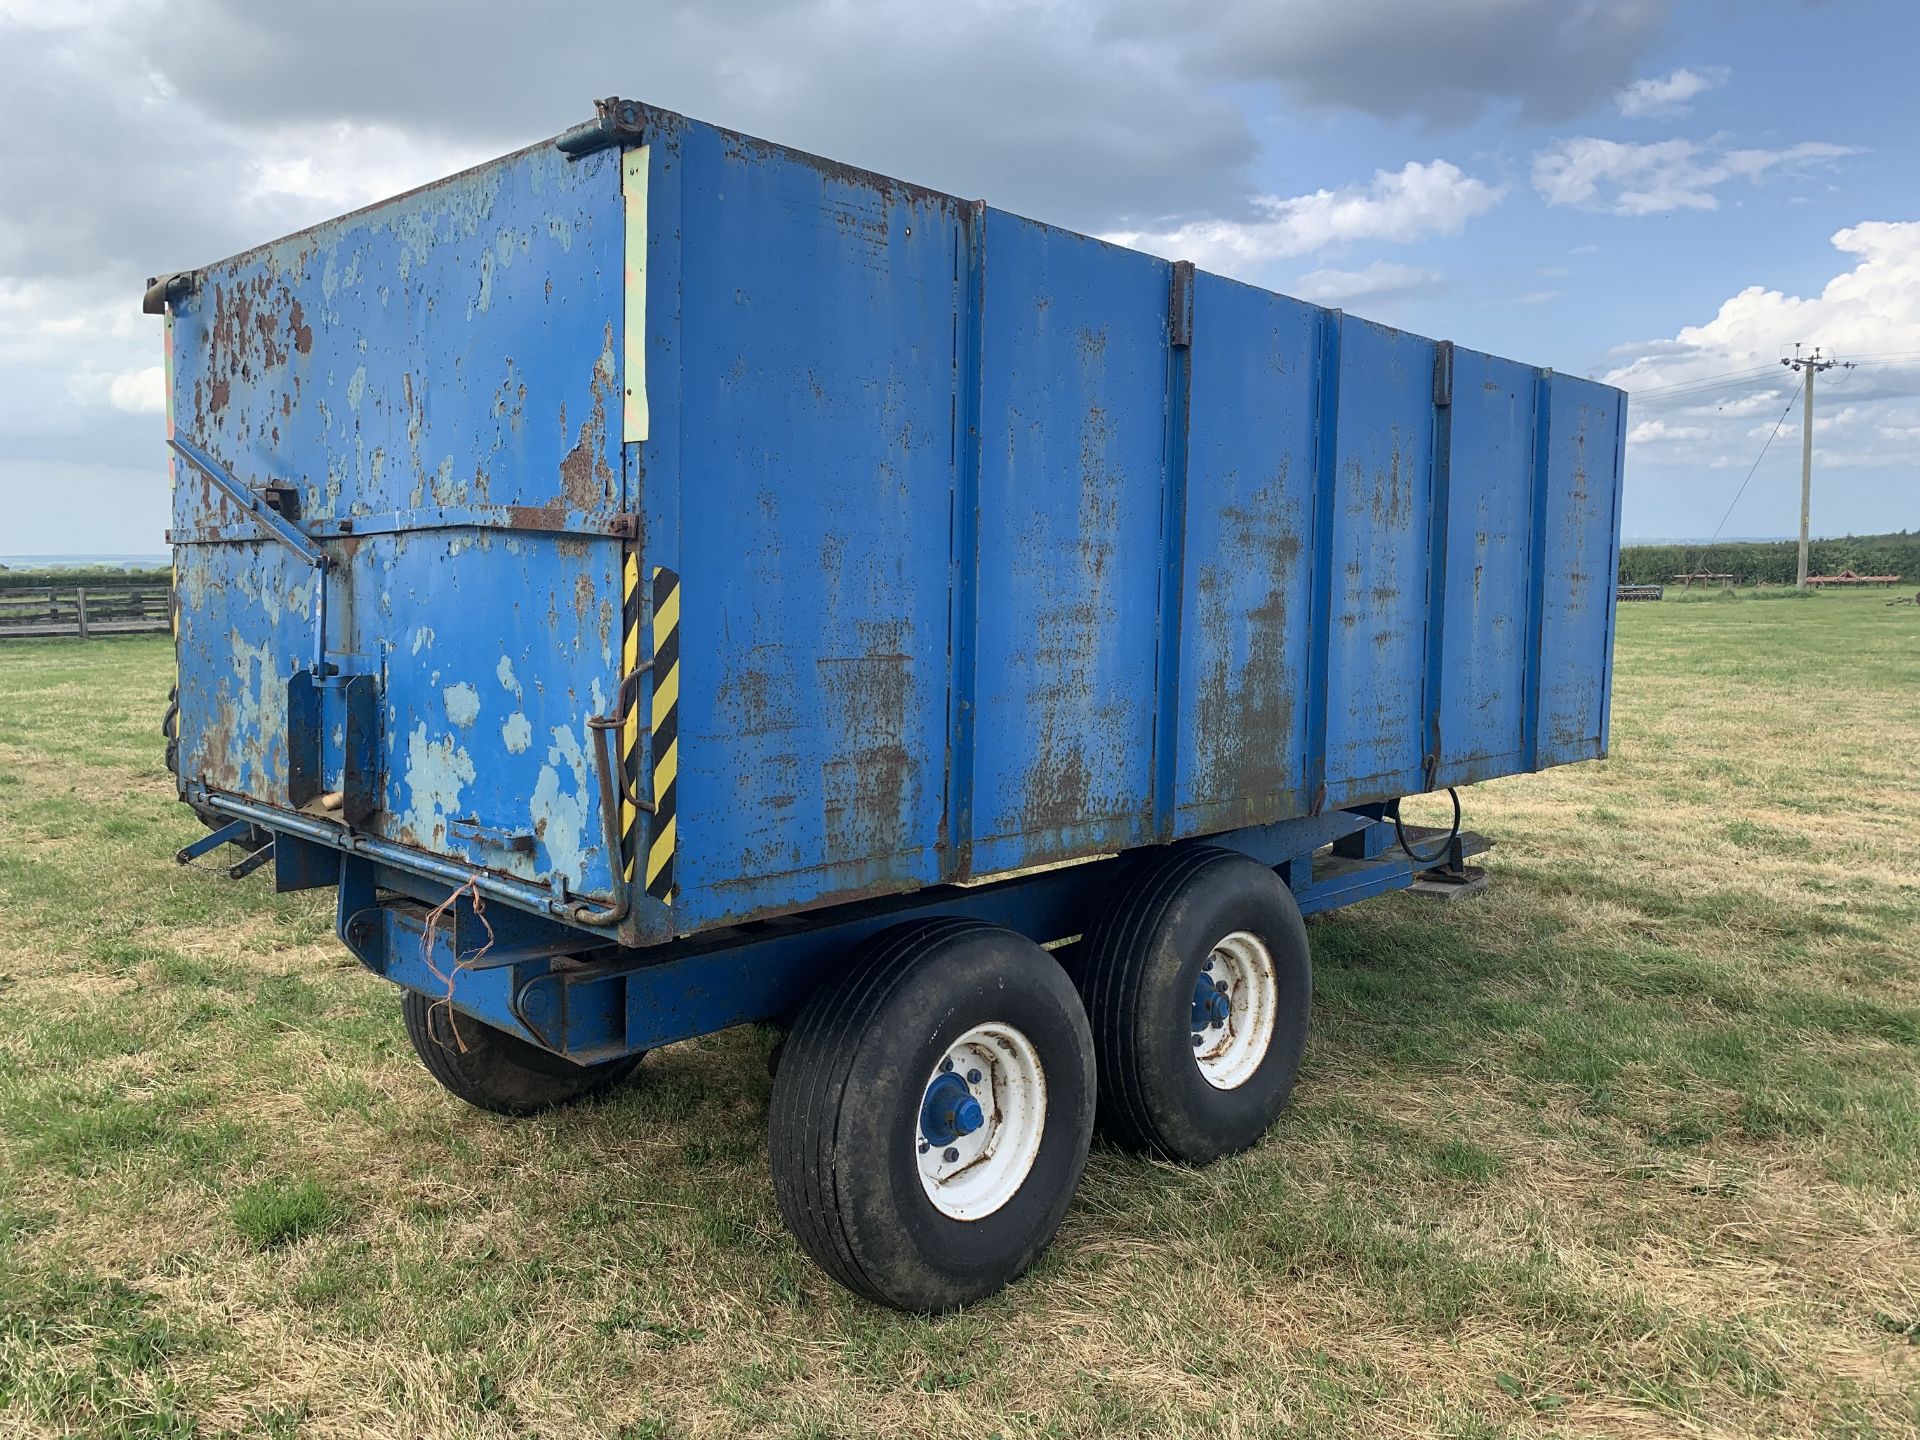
pixel 1657 176
pixel 1870 310
pixel 57 14
pixel 1669 95
pixel 1382 280
pixel 1417 200
pixel 142 391
pixel 1647 431
pixel 1709 396
pixel 1762 400
pixel 343 166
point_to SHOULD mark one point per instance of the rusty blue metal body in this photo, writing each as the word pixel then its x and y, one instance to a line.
pixel 990 545
pixel 432 380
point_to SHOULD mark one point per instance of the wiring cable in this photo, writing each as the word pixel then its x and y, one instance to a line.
pixel 1453 833
pixel 1703 381
pixel 1756 462
pixel 1676 396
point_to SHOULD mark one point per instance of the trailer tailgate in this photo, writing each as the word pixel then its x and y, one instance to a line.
pixel 430 391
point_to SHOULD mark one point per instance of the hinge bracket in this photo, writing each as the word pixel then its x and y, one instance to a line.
pixel 1443 373
pixel 164 289
pixel 1180 306
pixel 615 122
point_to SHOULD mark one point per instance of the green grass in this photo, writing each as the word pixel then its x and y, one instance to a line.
pixel 1630 1145
pixel 278 1211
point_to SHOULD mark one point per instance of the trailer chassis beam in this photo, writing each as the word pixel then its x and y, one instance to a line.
pixel 602 1004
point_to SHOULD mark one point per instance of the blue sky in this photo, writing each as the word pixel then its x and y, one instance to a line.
pixel 1643 190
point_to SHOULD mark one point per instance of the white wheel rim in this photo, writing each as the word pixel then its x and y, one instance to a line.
pixel 970 1175
pixel 1229 1048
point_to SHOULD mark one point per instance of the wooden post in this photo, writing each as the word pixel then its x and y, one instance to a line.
pixel 80 609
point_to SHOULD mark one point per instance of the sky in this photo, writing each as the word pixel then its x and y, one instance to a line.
pixel 1663 194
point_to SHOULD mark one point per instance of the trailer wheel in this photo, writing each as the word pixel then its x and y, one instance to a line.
pixel 497 1071
pixel 932 1113
pixel 1198 986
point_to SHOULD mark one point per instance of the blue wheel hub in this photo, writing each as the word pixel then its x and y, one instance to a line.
pixel 1210 1004
pixel 949 1111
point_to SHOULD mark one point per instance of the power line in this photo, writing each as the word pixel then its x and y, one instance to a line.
pixel 1700 391
pixel 1702 402
pixel 1707 384
pixel 1701 380
pixel 1756 463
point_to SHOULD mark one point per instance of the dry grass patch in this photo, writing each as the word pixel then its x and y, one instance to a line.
pixel 1626 1147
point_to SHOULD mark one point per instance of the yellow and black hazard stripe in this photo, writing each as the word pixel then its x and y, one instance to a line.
pixel 666 732
pixel 630 719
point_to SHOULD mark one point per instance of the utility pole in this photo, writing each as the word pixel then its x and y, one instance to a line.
pixel 1808 365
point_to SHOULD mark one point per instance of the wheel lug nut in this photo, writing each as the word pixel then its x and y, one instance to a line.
pixel 1198 1039
pixel 973 1077
pixel 946 1066
pixel 950 1156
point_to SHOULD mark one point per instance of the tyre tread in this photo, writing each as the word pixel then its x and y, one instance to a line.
pixel 1117 960
pixel 1121 951
pixel 820 1054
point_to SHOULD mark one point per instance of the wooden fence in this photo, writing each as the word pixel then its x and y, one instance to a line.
pixel 85 611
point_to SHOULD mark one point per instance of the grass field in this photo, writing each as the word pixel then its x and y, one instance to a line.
pixel 1628 1146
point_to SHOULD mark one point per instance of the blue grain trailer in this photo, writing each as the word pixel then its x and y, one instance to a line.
pixel 662 580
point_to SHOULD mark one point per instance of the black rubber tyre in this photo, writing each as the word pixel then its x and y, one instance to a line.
pixel 498 1071
pixel 845 1112
pixel 1137 974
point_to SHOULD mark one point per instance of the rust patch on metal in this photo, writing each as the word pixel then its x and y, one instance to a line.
pixel 550 516
pixel 757 702
pixel 866 789
pixel 586 476
pixel 1392 492
pixel 1059 784
pixel 1244 709
pixel 1058 791
pixel 583 598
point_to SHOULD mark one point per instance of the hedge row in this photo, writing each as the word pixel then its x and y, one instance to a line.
pixel 1774 562
pixel 94 577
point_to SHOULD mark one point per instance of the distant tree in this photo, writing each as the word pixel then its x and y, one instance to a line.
pixel 1774 562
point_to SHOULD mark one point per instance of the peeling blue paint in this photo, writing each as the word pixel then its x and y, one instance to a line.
pixel 341 361
pixel 560 803
pixel 463 704
pixel 431 786
pixel 516 734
